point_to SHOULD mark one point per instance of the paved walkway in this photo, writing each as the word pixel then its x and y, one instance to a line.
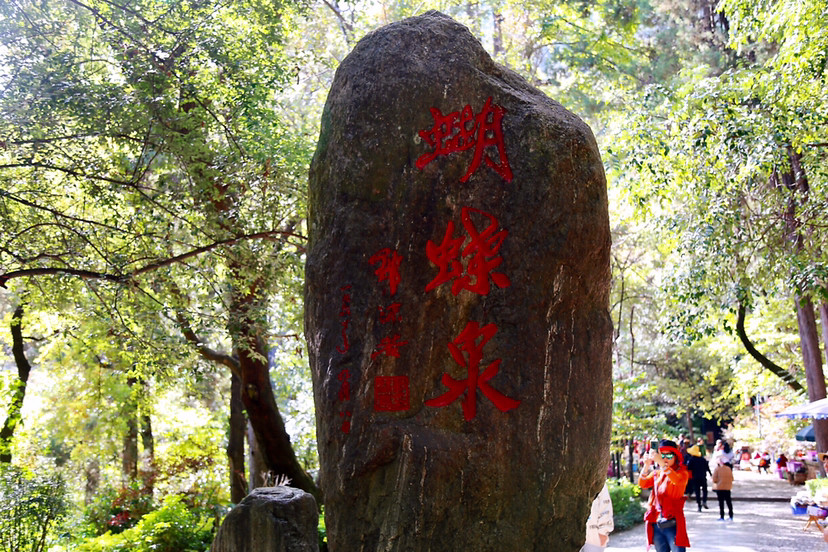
pixel 763 522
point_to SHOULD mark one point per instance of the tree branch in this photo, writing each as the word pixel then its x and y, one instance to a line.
pixel 13 416
pixel 205 351
pixel 199 250
pixel 777 370
pixel 128 276
pixel 346 27
pixel 68 171
pixel 55 212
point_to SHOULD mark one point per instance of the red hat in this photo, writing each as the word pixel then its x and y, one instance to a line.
pixel 666 445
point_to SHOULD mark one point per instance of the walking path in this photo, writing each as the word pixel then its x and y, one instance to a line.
pixel 763 522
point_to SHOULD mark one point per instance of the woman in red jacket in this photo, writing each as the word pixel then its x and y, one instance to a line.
pixel 666 527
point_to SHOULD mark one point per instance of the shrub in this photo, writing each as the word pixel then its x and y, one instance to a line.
pixel 626 503
pixel 30 507
pixel 171 528
pixel 117 510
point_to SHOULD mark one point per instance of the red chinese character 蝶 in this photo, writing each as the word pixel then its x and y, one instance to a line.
pixel 389 346
pixel 467 342
pixel 452 133
pixel 483 251
pixel 389 314
pixel 391 394
pixel 389 267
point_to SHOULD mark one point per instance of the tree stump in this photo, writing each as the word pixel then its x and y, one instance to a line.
pixel 270 519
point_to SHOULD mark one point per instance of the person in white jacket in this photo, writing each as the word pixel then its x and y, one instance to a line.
pixel 599 523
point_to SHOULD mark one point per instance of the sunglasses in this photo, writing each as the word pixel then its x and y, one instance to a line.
pixel 668 455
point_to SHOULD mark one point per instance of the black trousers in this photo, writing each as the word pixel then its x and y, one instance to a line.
pixel 724 496
pixel 698 486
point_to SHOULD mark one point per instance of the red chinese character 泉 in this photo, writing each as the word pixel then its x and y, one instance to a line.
pixel 462 130
pixel 391 394
pixel 467 342
pixel 389 346
pixel 389 267
pixel 483 251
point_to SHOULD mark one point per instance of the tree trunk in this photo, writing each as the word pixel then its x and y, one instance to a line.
pixel 258 469
pixel 497 34
pixel 250 365
pixel 92 474
pixel 796 181
pixel 812 358
pixel 688 417
pixel 13 418
pixel 258 398
pixel 823 315
pixel 266 421
pixel 632 342
pixel 148 473
pixel 129 458
pixel 235 442
pixel 616 333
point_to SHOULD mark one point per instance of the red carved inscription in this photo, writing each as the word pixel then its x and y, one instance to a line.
pixel 391 394
pixel 482 251
pixel 463 130
pixel 471 342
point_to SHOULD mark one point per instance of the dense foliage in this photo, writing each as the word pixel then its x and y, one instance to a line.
pixel 31 507
pixel 173 527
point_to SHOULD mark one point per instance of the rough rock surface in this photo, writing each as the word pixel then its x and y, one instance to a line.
pixel 270 519
pixel 456 302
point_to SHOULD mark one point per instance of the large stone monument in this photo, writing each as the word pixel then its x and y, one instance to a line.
pixel 456 302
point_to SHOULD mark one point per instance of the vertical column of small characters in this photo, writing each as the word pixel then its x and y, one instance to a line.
pixel 344 375
pixel 391 393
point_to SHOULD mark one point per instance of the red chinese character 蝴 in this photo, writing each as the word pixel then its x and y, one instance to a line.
pixel 389 267
pixel 463 130
pixel 467 342
pixel 391 394
pixel 482 250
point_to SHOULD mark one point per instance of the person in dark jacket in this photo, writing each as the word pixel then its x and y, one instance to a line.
pixel 699 468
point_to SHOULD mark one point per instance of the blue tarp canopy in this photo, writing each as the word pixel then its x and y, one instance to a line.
pixel 817 410
pixel 806 434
